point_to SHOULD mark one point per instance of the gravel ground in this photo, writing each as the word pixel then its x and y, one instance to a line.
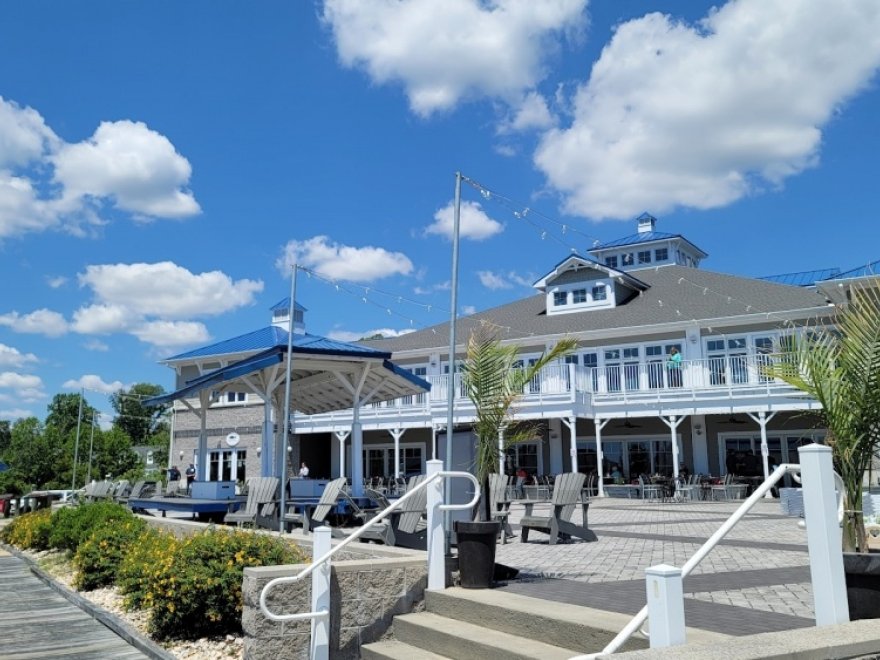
pixel 110 599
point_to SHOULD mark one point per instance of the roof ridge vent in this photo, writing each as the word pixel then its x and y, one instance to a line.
pixel 646 223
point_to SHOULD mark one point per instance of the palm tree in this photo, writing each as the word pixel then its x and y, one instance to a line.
pixel 495 379
pixel 838 364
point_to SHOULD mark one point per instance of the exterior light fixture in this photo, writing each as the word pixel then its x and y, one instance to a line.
pixel 698 429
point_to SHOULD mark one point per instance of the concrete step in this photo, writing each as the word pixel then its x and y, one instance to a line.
pixel 583 629
pixel 461 640
pixel 390 649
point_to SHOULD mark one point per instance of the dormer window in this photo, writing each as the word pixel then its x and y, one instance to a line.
pixel 645 257
pixel 560 298
pixel 661 254
pixel 578 296
pixel 627 259
pixel 600 293
pixel 611 261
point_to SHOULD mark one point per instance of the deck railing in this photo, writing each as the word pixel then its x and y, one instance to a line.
pixel 823 512
pixel 319 569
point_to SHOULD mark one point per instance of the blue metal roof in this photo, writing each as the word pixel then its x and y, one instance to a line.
pixel 645 237
pixel 284 303
pixel 273 336
pixel 867 270
pixel 805 278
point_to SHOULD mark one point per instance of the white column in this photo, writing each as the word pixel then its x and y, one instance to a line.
pixel 268 439
pixel 673 423
pixel 396 434
pixel 600 484
pixel 320 647
pixel 342 436
pixel 665 605
pixel 436 533
pixel 762 419
pixel 204 399
pixel 823 535
pixel 555 442
pixel 357 454
pixel 571 425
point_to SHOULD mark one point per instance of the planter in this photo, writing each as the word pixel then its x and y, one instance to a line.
pixel 862 584
pixel 476 552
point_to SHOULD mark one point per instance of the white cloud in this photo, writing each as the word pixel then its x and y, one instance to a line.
pixel 492 280
pixel 56 282
pixel 698 116
pixel 167 290
pixel 171 334
pixel 96 345
pixel 473 222
pixel 40 322
pixel 101 319
pixel 135 166
pixel 94 383
pixel 24 136
pixel 15 414
pixel 531 114
pixel 346 335
pixel 343 262
pixel 20 209
pixel 443 52
pixel 446 285
pixel 25 387
pixel 467 310
pixel 12 357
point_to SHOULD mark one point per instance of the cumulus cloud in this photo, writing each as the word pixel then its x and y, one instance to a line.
pixel 94 383
pixel 133 165
pixel 96 345
pixel 467 310
pixel 343 262
pixel 676 115
pixel 171 334
pixel 473 222
pixel 40 322
pixel 444 52
pixel 24 387
pixel 346 335
pixel 12 357
pixel 46 183
pixel 15 414
pixel 56 282
pixel 532 114
pixel 101 319
pixel 494 281
pixel 167 290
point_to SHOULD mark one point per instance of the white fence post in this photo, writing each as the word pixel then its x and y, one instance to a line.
pixel 665 605
pixel 321 596
pixel 823 535
pixel 436 533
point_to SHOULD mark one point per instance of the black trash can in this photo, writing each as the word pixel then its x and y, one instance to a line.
pixel 476 552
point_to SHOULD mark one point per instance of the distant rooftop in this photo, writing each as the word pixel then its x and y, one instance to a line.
pixel 804 278
pixel 872 268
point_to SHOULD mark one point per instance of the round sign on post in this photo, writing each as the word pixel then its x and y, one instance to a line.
pixel 232 439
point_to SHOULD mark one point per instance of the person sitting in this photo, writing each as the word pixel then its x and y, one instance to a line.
pixel 683 471
pixel 616 475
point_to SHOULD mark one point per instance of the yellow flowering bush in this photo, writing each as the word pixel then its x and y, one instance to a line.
pixel 146 567
pixel 200 594
pixel 72 525
pixel 29 531
pixel 97 559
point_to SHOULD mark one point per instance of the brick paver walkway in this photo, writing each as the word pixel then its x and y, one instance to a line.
pixel 756 580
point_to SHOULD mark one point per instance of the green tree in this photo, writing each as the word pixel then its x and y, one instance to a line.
pixel 113 454
pixel 64 412
pixel 5 437
pixel 34 452
pixel 495 379
pixel 839 366
pixel 140 422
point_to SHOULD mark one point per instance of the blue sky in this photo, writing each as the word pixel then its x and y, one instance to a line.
pixel 161 162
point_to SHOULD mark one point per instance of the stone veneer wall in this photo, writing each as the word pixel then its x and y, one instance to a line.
pixel 364 597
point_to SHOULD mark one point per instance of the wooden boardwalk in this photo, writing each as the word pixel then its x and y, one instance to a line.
pixel 37 622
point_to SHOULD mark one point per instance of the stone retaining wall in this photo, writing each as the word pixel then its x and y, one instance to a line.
pixel 364 597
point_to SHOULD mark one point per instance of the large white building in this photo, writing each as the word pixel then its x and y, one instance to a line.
pixel 617 402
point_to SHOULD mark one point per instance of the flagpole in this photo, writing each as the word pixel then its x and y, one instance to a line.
pixel 286 425
pixel 450 384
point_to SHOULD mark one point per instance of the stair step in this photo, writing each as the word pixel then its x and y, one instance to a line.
pixel 391 649
pixel 461 640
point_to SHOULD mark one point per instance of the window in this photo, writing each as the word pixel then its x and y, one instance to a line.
pixel 600 292
pixel 661 254
pixel 645 257
pixel 579 296
pixel 611 261
pixel 560 298
pixel 627 259
pixel 233 397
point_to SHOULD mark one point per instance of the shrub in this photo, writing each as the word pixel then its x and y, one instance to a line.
pixel 29 531
pixel 72 525
pixel 200 595
pixel 146 567
pixel 97 559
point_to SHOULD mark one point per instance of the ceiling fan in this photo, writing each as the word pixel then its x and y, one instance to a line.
pixel 733 420
pixel 628 425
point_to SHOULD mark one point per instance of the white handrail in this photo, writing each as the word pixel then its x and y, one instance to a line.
pixel 356 535
pixel 642 616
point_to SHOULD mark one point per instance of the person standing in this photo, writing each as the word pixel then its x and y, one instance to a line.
pixel 673 367
pixel 173 473
pixel 303 470
pixel 190 475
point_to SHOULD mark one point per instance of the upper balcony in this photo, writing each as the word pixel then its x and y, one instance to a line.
pixel 709 386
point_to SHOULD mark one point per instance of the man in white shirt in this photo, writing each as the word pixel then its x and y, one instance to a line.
pixel 304 471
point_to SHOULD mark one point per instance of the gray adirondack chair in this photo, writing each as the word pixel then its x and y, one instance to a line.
pixel 405 527
pixel 499 503
pixel 261 491
pixel 557 522
pixel 311 515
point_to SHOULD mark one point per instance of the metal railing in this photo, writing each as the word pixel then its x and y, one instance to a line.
pixel 823 515
pixel 319 569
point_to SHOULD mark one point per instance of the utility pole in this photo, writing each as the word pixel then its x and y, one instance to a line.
pixel 76 447
pixel 91 445
pixel 286 425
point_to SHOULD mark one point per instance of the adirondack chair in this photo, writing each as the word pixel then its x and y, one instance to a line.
pixel 557 522
pixel 310 515
pixel 142 488
pixel 100 490
pixel 261 490
pixel 499 503
pixel 406 526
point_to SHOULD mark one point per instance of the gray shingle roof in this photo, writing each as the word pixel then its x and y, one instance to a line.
pixel 676 295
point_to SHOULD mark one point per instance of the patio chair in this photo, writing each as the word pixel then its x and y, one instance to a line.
pixel 499 503
pixel 651 491
pixel 557 522
pixel 261 491
pixel 721 491
pixel 687 489
pixel 140 489
pixel 405 527
pixel 309 514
